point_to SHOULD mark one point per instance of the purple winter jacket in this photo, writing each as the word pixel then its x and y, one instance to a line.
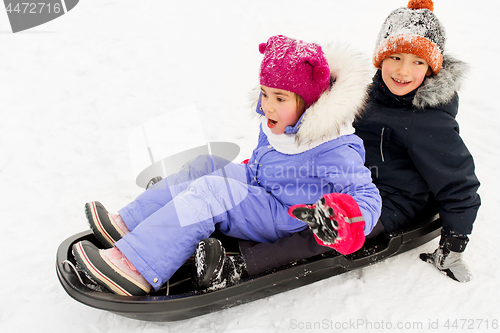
pixel 335 166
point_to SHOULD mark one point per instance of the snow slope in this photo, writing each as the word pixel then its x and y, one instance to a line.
pixel 72 91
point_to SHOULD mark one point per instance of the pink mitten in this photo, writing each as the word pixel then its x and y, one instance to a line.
pixel 335 220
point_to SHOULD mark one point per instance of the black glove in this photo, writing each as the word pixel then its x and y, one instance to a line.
pixel 448 256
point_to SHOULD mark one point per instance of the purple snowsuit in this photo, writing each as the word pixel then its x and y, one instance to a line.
pixel 251 201
pixel 243 201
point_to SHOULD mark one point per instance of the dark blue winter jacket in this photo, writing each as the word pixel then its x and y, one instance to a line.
pixel 415 152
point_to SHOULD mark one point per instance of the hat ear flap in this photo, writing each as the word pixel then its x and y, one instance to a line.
pixel 321 73
pixel 262 47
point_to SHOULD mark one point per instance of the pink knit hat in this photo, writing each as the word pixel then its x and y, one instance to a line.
pixel 295 66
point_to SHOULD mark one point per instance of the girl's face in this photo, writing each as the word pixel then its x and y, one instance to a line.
pixel 403 73
pixel 280 107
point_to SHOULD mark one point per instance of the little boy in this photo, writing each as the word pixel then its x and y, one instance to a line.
pixel 412 142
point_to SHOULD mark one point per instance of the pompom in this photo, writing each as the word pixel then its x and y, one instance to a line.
pixel 321 73
pixel 421 4
pixel 262 47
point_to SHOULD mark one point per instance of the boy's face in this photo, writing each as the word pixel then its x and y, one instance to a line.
pixel 280 108
pixel 403 73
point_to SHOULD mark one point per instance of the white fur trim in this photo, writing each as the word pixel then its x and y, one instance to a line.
pixel 337 108
pixel 441 87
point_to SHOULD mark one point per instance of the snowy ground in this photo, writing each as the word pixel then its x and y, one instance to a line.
pixel 74 89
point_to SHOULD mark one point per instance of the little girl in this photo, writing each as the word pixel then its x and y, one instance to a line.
pixel 306 153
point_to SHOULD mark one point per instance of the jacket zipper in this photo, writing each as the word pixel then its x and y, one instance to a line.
pixel 381 144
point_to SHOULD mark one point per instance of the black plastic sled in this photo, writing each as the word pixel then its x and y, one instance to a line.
pixel 178 300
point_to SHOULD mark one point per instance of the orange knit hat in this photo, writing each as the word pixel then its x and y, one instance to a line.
pixel 414 30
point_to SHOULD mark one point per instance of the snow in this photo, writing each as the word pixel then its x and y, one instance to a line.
pixel 74 89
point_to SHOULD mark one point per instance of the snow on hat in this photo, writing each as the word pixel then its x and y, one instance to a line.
pixel 413 30
pixel 294 66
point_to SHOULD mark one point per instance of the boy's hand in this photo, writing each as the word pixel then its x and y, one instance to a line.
pixel 448 256
pixel 335 220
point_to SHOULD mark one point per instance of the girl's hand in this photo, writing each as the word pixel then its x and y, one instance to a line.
pixel 335 220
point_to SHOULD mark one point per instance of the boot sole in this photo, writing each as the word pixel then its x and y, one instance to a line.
pixel 108 238
pixel 96 268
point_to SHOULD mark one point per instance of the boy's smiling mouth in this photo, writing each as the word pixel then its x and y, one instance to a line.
pixel 400 81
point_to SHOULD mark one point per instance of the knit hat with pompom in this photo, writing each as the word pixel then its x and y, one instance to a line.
pixel 413 30
pixel 295 66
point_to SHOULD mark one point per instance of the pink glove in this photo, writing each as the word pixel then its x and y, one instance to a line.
pixel 335 220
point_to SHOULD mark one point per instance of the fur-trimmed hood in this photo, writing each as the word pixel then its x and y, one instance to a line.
pixel 439 89
pixel 340 105
pixel 334 112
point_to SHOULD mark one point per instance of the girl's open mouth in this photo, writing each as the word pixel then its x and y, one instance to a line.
pixel 271 123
